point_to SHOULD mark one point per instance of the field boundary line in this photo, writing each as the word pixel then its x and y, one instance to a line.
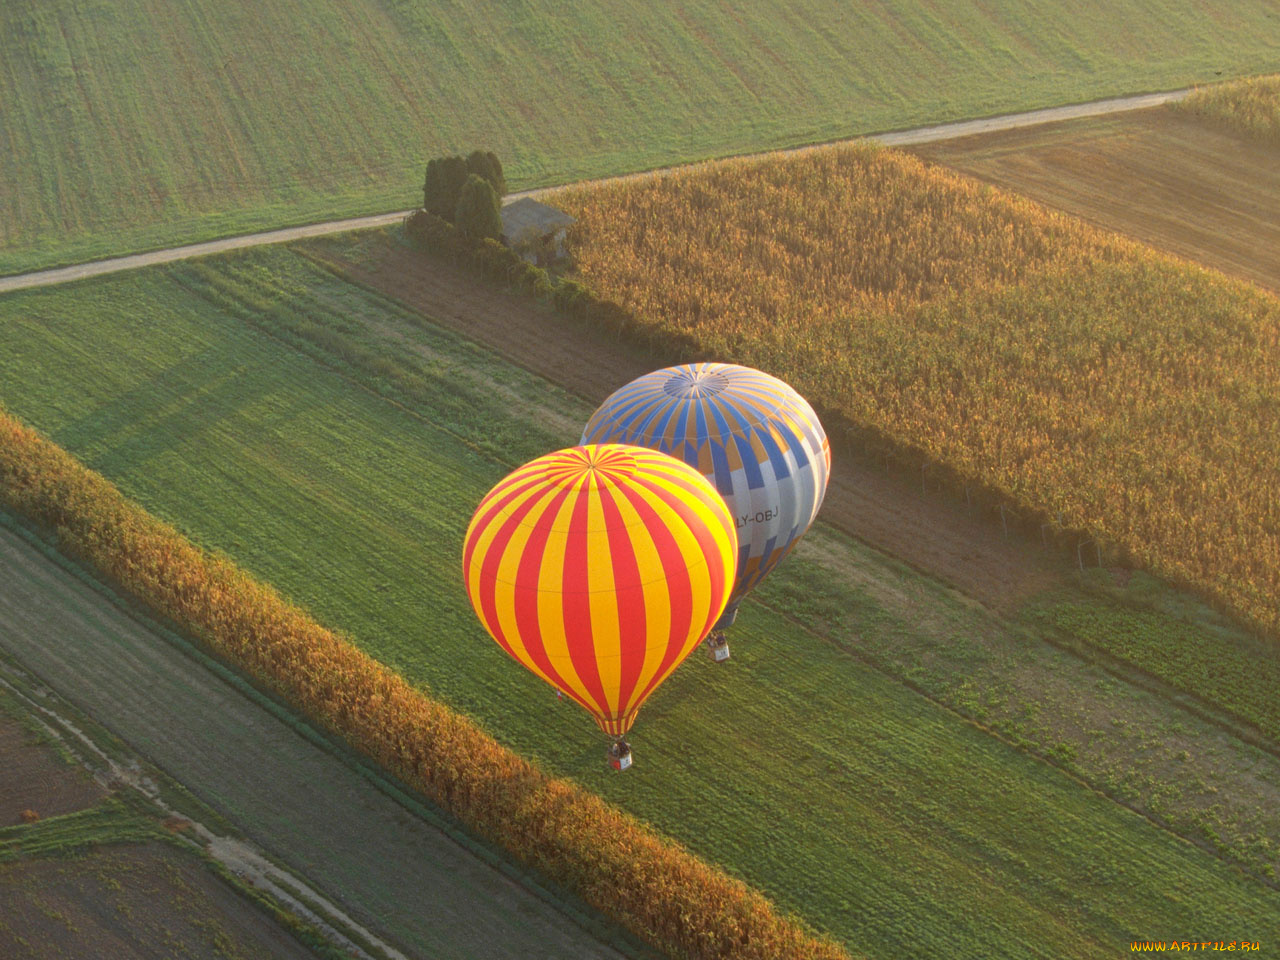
pixel 893 138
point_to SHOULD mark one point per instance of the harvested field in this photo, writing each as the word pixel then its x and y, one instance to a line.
pixel 33 777
pixel 1177 182
pixel 138 901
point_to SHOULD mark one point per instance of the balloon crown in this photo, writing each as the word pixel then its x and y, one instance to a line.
pixel 690 382
pixel 608 461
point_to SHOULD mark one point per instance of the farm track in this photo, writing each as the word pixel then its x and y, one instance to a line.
pixel 107 888
pixel 899 138
pixel 393 872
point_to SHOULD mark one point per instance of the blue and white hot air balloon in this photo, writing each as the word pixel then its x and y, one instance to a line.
pixel 757 441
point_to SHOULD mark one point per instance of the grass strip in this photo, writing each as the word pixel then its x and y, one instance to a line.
pixel 111 821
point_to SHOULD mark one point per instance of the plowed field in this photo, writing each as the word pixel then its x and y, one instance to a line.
pixel 33 779
pixel 1172 181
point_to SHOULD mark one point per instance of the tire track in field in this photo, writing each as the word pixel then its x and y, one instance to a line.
pixel 898 138
pixel 311 809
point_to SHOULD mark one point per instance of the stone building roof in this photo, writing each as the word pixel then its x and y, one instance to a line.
pixel 527 219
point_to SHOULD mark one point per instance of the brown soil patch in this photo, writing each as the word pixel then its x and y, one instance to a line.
pixel 1172 181
pixel 34 777
pixel 132 903
pixel 932 533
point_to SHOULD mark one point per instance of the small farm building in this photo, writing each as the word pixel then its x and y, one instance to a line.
pixel 535 230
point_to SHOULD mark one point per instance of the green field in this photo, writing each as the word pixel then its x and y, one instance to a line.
pixel 892 820
pixel 135 124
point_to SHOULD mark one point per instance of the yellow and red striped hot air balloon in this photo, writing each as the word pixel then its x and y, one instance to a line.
pixel 600 568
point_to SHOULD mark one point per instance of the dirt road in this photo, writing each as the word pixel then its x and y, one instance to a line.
pixel 898 138
pixel 393 872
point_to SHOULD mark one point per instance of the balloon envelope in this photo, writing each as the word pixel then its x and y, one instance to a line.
pixel 600 569
pixel 756 439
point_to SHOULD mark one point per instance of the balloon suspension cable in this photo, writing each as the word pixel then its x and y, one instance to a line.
pixel 717 646
pixel 619 753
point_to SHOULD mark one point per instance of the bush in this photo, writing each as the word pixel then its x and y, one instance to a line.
pixel 486 165
pixel 478 214
pixel 570 296
pixel 441 189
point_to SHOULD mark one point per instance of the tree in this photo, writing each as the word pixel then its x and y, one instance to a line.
pixel 485 163
pixel 479 210
pixel 443 185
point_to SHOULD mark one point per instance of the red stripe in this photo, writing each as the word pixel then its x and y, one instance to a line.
pixel 577 602
pixel 701 530
pixel 489 572
pixel 677 582
pixel 526 594
pixel 632 618
pixel 501 496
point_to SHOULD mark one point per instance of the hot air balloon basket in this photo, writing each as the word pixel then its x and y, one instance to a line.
pixel 718 647
pixel 620 755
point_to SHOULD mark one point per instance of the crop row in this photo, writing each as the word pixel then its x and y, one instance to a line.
pixel 1088 379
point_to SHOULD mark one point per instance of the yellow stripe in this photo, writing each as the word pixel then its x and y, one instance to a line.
pixel 690 553
pixel 484 537
pixel 711 508
pixel 712 511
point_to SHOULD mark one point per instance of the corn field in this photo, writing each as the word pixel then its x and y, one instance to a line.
pixel 1249 107
pixel 1088 379
pixel 658 890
